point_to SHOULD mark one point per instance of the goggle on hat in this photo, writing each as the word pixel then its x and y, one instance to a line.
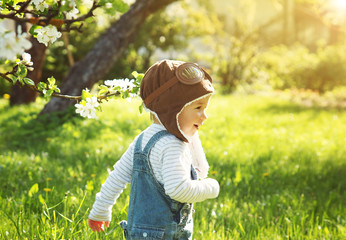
pixel 169 85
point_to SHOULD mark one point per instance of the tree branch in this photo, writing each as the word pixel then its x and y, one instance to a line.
pixel 49 18
pixel 76 98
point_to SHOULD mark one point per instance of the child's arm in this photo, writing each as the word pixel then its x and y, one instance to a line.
pixel 111 190
pixel 177 178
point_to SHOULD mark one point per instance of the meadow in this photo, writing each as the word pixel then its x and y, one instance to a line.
pixel 281 168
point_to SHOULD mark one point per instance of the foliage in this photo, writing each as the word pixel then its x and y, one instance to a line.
pixel 47 23
pixel 240 52
pixel 164 31
pixel 297 67
pixel 80 43
pixel 281 169
pixel 234 63
pixel 235 47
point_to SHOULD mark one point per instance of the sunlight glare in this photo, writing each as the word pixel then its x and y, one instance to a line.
pixel 339 4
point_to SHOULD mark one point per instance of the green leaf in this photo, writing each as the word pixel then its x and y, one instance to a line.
pixel 103 89
pixel 14 79
pixel 85 94
pixel 57 90
pixel 20 80
pixel 29 81
pixel 135 74
pixel 48 93
pixel 126 94
pixel 65 7
pixel 135 90
pixel 32 30
pixel 138 76
pixel 10 2
pixel 117 6
pixel 33 190
pixel 83 102
pixel 51 81
pixel 41 86
pixel 21 71
pixel 120 6
pixel 140 108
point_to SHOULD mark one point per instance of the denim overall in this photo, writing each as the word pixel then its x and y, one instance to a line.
pixel 152 214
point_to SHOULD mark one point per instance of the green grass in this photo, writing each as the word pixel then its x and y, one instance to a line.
pixel 281 169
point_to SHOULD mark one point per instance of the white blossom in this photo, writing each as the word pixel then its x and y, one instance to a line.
pixel 12 45
pixel 71 3
pixel 87 3
pixel 93 103
pixel 27 59
pixel 88 109
pixel 72 14
pixel 124 84
pixel 40 5
pixel 80 109
pixel 8 49
pixel 47 34
pixel 85 111
pixel 131 95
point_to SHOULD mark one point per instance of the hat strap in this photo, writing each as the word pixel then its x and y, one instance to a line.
pixel 160 90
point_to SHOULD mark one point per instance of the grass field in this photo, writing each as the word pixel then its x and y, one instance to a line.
pixel 281 168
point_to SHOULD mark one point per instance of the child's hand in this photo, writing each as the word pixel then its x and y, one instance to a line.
pixel 97 225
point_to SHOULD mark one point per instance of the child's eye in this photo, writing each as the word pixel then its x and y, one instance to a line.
pixel 199 107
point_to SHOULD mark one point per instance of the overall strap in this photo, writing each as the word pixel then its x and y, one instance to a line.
pixel 138 146
pixel 156 137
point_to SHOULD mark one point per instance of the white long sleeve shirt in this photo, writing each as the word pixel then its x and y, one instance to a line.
pixel 171 161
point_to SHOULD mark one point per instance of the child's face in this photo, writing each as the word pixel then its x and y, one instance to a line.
pixel 193 116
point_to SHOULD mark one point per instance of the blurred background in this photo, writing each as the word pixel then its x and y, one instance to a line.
pixel 295 48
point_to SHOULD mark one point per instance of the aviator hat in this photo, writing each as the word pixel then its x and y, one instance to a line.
pixel 168 86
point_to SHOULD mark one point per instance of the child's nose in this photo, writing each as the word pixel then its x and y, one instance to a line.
pixel 204 115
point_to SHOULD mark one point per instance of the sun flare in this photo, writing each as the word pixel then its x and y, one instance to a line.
pixel 339 4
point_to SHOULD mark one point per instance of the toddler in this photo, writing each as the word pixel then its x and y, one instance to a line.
pixel 165 164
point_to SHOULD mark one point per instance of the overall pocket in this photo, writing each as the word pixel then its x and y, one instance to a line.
pixel 146 233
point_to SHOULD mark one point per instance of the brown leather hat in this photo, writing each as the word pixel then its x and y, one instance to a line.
pixel 169 85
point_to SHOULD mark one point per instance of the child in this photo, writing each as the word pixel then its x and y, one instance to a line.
pixel 165 164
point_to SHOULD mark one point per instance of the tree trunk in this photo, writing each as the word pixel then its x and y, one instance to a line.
pixel 23 95
pixel 105 53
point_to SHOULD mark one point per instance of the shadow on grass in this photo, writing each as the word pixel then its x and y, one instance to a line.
pixel 57 146
pixel 22 131
pixel 29 132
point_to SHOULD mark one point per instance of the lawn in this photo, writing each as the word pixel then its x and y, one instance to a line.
pixel 281 169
